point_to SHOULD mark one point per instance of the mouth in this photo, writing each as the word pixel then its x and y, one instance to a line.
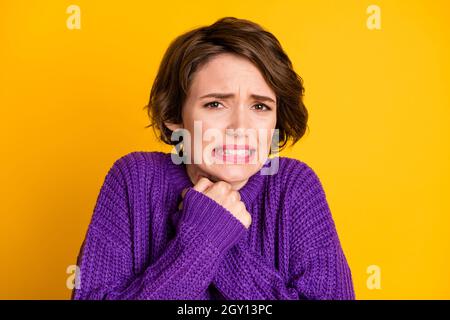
pixel 234 153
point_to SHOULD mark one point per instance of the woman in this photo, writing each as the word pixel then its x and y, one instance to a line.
pixel 222 219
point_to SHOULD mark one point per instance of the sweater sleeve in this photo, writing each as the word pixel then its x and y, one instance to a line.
pixel 319 268
pixel 244 275
pixel 318 272
pixel 185 269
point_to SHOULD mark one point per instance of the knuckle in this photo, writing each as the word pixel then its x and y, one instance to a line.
pixel 236 196
pixel 233 197
pixel 218 185
pixel 225 185
pixel 201 180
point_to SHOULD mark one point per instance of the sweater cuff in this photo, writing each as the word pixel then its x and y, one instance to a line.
pixel 212 220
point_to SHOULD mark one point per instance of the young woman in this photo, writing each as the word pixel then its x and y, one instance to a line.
pixel 224 219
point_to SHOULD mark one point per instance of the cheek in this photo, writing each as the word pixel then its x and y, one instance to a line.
pixel 265 129
pixel 203 122
pixel 265 121
pixel 213 132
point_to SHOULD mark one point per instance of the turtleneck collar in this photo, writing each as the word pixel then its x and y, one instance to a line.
pixel 179 179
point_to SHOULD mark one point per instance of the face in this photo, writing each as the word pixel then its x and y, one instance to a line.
pixel 232 107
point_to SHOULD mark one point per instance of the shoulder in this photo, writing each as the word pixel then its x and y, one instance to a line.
pixel 310 214
pixel 297 176
pixel 293 165
pixel 141 161
pixel 136 167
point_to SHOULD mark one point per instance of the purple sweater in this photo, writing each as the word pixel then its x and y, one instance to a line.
pixel 139 245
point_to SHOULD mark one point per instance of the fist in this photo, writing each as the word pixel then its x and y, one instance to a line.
pixel 222 193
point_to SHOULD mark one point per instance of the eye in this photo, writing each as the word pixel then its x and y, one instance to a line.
pixel 262 106
pixel 258 107
pixel 212 105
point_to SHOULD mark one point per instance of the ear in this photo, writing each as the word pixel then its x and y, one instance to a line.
pixel 173 126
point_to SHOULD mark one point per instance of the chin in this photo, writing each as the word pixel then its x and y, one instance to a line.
pixel 233 172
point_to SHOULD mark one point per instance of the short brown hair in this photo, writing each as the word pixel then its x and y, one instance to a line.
pixel 243 37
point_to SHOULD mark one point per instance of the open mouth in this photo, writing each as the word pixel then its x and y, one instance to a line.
pixel 234 153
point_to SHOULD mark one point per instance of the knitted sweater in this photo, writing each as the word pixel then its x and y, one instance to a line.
pixel 139 245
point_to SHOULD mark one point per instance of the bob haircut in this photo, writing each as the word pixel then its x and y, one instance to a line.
pixel 190 50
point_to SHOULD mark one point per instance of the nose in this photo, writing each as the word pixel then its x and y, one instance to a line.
pixel 238 123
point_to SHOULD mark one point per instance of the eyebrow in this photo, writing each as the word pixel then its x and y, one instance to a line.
pixel 231 95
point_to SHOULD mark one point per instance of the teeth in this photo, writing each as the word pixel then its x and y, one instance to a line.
pixel 241 152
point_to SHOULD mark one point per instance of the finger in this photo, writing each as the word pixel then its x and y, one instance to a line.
pixel 203 184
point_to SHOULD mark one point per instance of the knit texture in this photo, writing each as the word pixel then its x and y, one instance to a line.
pixel 139 245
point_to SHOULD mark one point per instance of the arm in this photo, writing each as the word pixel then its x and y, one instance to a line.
pixel 205 232
pixel 318 272
pixel 321 274
pixel 244 275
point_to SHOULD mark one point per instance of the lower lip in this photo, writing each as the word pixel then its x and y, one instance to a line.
pixel 234 158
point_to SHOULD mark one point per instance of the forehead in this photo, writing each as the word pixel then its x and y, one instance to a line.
pixel 228 72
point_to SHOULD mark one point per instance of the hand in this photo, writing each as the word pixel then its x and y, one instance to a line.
pixel 222 193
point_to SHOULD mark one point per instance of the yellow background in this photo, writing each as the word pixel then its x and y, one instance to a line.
pixel 72 103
